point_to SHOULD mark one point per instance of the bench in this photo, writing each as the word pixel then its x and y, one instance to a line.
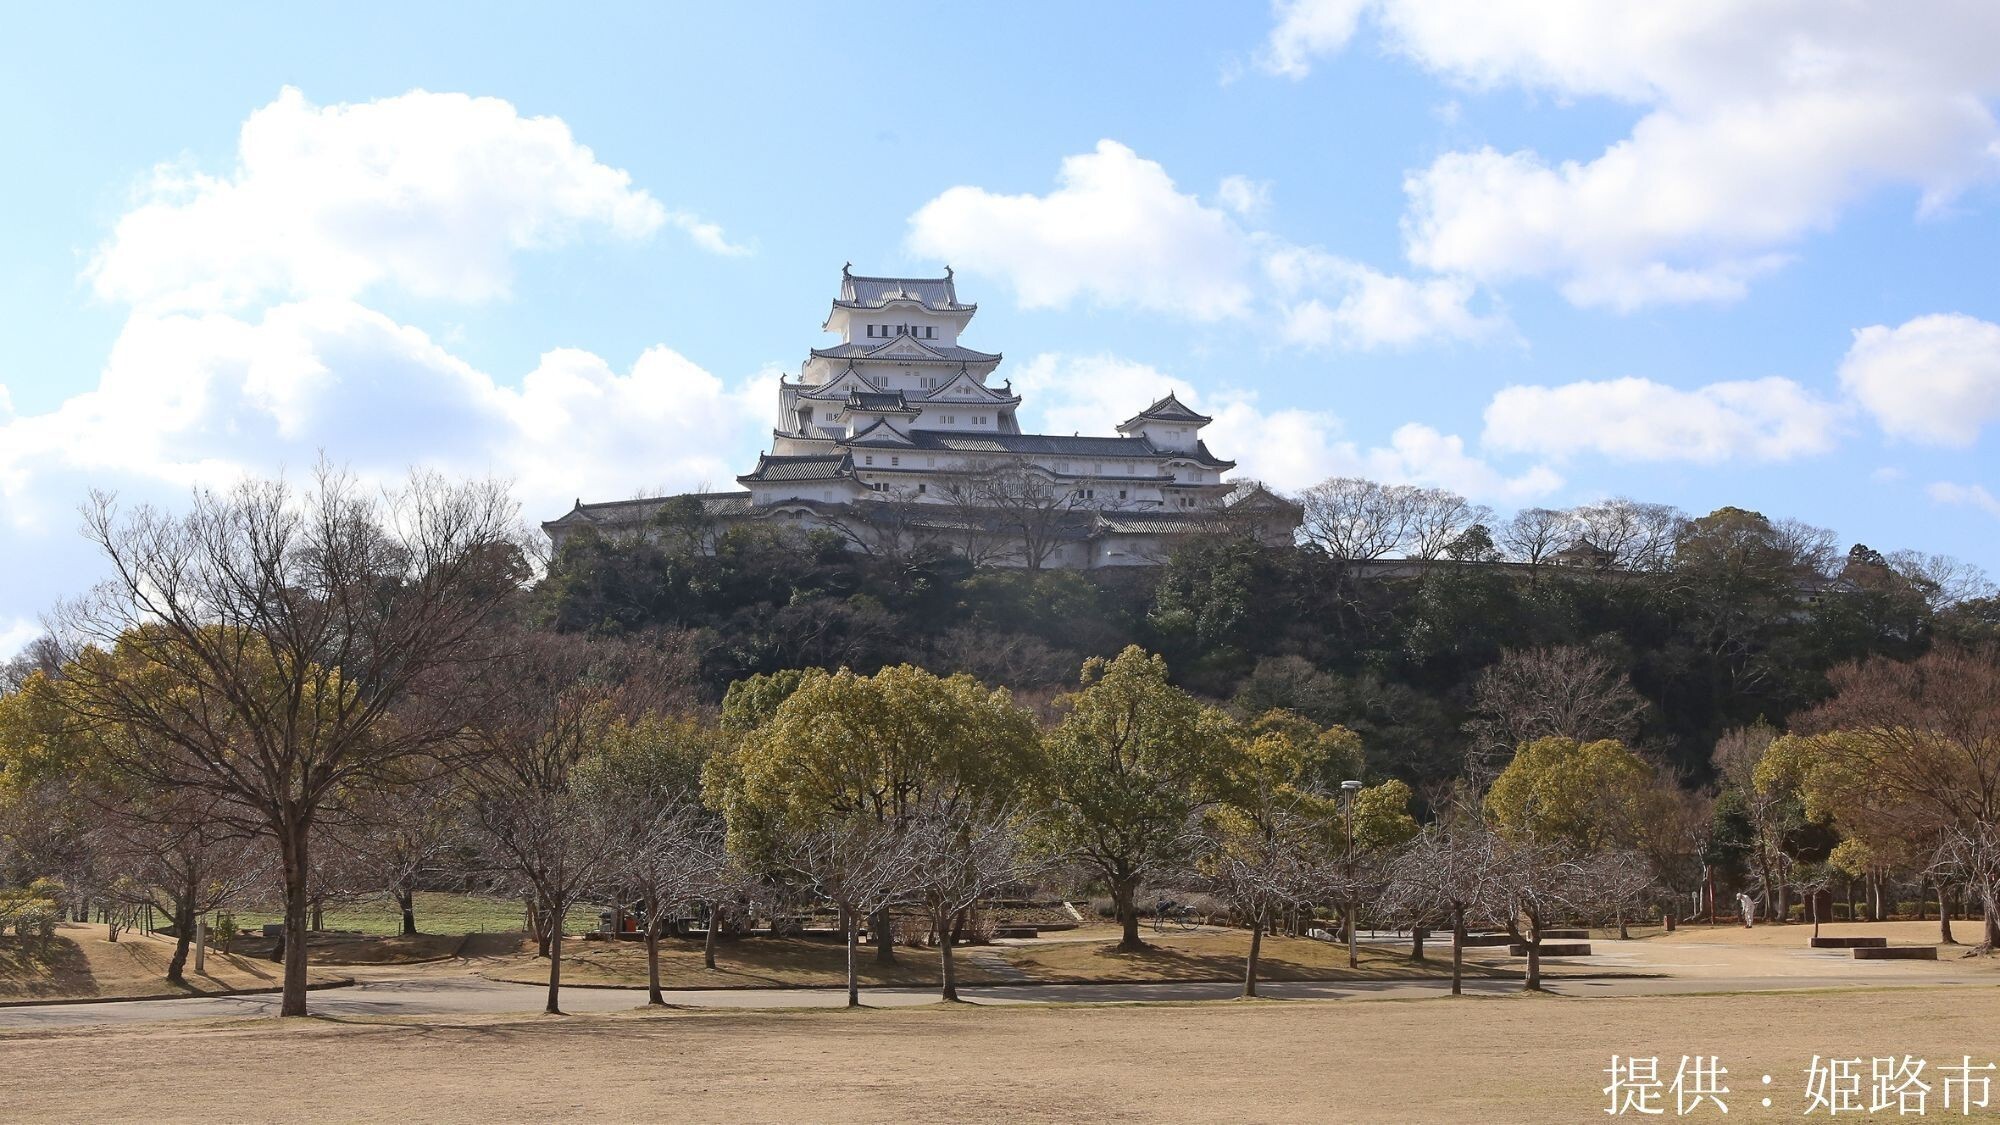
pixel 1849 942
pixel 1473 941
pixel 1896 953
pixel 1017 931
pixel 1555 949
pixel 1567 935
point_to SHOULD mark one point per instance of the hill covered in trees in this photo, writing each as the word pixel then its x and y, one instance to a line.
pixel 1406 615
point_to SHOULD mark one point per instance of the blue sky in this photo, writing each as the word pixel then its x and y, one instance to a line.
pixel 1540 253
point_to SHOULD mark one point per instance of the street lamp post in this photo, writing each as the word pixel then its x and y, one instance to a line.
pixel 1347 791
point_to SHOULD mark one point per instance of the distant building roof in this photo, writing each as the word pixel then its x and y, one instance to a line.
pixel 1072 446
pixel 858 292
pixel 1168 409
pixel 879 401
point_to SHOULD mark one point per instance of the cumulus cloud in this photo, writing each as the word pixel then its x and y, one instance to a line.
pixel 430 193
pixel 1287 447
pixel 1116 231
pixel 1634 419
pixel 249 350
pixel 207 399
pixel 1761 123
pixel 1934 379
pixel 1969 495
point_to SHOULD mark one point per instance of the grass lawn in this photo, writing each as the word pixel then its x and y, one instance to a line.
pixel 438 912
pixel 767 962
pixel 80 964
pixel 1477 1059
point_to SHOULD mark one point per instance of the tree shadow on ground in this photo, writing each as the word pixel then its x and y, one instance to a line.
pixel 31 968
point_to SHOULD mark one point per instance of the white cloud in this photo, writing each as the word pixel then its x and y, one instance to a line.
pixel 1117 232
pixel 1288 448
pixel 1306 28
pixel 1969 495
pixel 206 399
pixel 432 193
pixel 1635 419
pixel 1373 309
pixel 1934 379
pixel 15 635
pixel 1245 196
pixel 1760 124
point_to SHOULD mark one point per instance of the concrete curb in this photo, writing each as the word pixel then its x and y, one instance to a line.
pixel 337 982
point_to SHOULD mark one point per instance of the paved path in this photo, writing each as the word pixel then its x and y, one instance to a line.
pixel 447 991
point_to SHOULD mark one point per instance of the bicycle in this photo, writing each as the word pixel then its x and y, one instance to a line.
pixel 1173 917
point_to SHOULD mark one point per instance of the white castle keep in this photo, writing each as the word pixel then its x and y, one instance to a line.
pixel 894 438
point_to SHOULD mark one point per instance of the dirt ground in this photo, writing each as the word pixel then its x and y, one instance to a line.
pixel 1083 955
pixel 79 963
pixel 1515 1059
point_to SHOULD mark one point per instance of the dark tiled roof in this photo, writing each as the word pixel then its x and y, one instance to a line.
pixel 872 292
pixel 877 400
pixel 614 512
pixel 811 466
pixel 940 353
pixel 1168 409
pixel 1057 445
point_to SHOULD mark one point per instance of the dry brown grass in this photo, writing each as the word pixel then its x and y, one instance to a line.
pixel 1513 1059
pixel 1082 956
pixel 79 963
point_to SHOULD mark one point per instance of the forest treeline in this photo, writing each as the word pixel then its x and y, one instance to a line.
pixel 1394 616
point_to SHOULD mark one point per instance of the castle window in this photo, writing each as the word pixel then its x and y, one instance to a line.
pixel 895 460
pixel 922 487
pixel 1121 494
pixel 871 331
pixel 868 459
pixel 930 333
pixel 879 486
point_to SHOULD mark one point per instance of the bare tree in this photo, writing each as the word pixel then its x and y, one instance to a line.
pixel 1533 534
pixel 1436 518
pixel 1031 514
pixel 548 848
pixel 274 646
pixel 666 856
pixel 862 867
pixel 539 839
pixel 1633 535
pixel 1354 519
pixel 1535 885
pixel 962 852
pixel 1941 580
pixel 1566 691
pixel 1450 872
pixel 409 833
pixel 1615 883
pixel 175 855
pixel 1266 870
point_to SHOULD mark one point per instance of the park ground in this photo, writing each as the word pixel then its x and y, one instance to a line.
pixel 1508 1058
pixel 446 1041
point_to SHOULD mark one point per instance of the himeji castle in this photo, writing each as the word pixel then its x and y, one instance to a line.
pixel 897 436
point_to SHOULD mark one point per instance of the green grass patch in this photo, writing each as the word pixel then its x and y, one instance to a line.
pixel 438 912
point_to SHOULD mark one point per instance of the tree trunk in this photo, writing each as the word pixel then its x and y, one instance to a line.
pixel 200 945
pixel 554 1006
pixel 1534 944
pixel 318 917
pixel 1417 936
pixel 1944 916
pixel 1250 962
pixel 1353 949
pixel 653 959
pixel 406 897
pixel 947 938
pixel 293 843
pixel 1624 928
pixel 183 939
pixel 1992 925
pixel 853 927
pixel 884 928
pixel 708 939
pixel 1123 892
pixel 1458 952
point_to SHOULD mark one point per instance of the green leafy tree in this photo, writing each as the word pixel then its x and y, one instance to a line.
pixel 1589 795
pixel 1130 768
